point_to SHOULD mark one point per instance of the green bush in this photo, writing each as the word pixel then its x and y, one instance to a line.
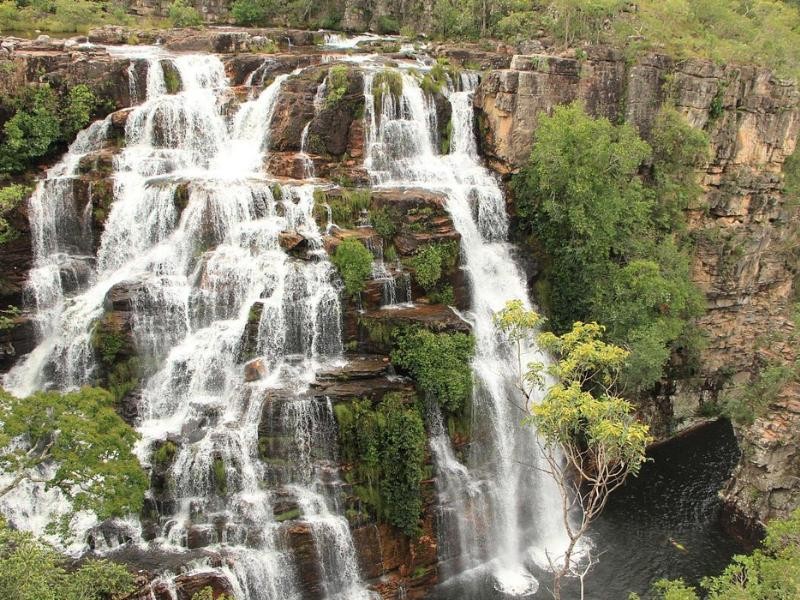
pixel 388 24
pixel 386 81
pixel 385 447
pixel 440 363
pixel 40 122
pixel 337 84
pixel 431 262
pixel 746 401
pixel 181 14
pixel 384 224
pixel 354 263
pixel 11 196
pixel 253 12
pixel 32 570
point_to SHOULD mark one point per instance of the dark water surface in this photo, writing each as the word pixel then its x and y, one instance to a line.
pixel 672 503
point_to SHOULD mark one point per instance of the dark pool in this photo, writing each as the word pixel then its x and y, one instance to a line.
pixel 665 523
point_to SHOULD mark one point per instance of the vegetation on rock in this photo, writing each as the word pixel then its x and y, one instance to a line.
pixel 11 196
pixel 336 85
pixel 432 261
pixel 41 123
pixel 84 438
pixel 607 210
pixel 32 570
pixel 354 263
pixel 440 363
pixel 183 14
pixel 385 447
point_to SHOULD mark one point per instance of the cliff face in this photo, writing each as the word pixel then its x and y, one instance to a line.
pixel 744 227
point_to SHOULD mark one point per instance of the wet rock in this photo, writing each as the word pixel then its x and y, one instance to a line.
pixel 16 341
pixel 293 243
pixel 255 370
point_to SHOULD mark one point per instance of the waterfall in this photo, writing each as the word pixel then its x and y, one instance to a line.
pixel 499 512
pixel 193 237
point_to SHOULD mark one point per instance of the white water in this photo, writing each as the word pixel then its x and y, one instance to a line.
pixel 194 274
pixel 498 512
pixel 196 271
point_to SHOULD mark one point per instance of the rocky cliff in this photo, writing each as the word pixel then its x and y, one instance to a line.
pixel 744 227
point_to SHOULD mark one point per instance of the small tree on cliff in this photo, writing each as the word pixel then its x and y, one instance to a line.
pixel 589 438
pixel 81 436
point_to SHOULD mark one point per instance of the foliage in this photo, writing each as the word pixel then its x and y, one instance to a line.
pixel 354 263
pixel 8 317
pixel 384 224
pixel 387 81
pixel 40 122
pixel 32 570
pixel 346 209
pixel 253 12
pixel 591 438
pixel 439 363
pixel 11 196
pixel 431 262
pixel 770 572
pixel 388 24
pixel 182 14
pixel 746 401
pixel 82 435
pixel 611 236
pixel 386 448
pixel 337 84
pixel 65 16
pixel 764 31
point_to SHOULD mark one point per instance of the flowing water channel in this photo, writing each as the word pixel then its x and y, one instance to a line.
pixel 201 277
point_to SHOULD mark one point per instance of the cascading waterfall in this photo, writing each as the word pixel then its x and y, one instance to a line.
pixel 495 509
pixel 195 271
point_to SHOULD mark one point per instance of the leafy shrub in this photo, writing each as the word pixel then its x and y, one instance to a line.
pixel 253 12
pixel 440 363
pixel 746 401
pixel 77 432
pixel 388 24
pixel 40 122
pixel 386 449
pixel 354 263
pixel 11 196
pixel 387 81
pixel 32 570
pixel 337 84
pixel 433 261
pixel 384 224
pixel 182 14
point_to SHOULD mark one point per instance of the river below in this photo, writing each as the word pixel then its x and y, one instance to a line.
pixel 664 523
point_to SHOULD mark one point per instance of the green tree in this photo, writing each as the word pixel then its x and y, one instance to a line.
pixel 590 439
pixel 32 570
pixel 81 434
pixel 607 210
pixel 354 263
